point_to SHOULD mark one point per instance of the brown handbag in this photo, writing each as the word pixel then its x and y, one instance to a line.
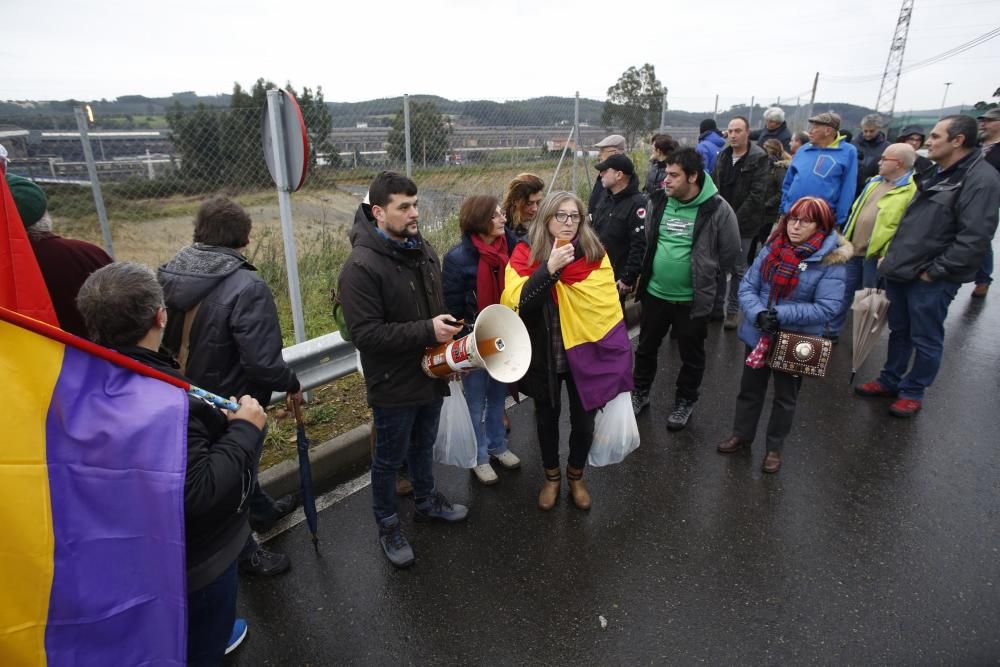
pixel 800 354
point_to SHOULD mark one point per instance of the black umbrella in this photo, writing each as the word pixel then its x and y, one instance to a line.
pixel 305 471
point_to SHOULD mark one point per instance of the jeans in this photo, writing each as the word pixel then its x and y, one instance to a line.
pixel 403 434
pixel 485 397
pixel 984 276
pixel 733 306
pixel 750 403
pixel 581 425
pixel 861 272
pixel 916 329
pixel 658 317
pixel 211 614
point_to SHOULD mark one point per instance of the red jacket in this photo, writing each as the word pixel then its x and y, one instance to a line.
pixel 65 265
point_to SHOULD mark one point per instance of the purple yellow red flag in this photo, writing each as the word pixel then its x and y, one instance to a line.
pixel 92 564
pixel 590 317
pixel 22 288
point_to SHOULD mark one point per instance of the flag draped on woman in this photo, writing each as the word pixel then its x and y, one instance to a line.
pixel 590 317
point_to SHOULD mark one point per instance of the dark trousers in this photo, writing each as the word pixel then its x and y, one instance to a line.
pixel 658 318
pixel 403 434
pixel 211 614
pixel 581 426
pixel 750 403
pixel 261 506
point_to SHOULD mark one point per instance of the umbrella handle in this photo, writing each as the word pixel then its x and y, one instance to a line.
pixel 296 408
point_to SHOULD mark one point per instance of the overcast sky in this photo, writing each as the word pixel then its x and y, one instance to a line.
pixel 492 50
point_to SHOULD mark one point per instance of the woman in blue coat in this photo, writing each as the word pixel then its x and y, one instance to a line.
pixel 803 265
pixel 472 278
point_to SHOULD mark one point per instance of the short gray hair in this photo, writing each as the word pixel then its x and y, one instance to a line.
pixel 776 114
pixel 871 120
pixel 118 303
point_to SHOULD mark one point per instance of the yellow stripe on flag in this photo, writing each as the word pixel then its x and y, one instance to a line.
pixel 30 365
pixel 595 310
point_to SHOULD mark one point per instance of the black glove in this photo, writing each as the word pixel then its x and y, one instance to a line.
pixel 767 321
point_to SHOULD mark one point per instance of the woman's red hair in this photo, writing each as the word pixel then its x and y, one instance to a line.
pixel 806 208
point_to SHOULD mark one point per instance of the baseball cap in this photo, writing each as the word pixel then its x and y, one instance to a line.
pixel 618 162
pixel 827 118
pixel 992 114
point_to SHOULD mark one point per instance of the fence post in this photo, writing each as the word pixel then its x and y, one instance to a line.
pixel 274 100
pixel 715 114
pixel 406 134
pixel 663 111
pixel 95 185
pixel 750 115
pixel 576 135
pixel 812 98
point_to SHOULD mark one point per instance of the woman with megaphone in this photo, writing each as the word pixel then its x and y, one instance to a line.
pixel 472 279
pixel 561 283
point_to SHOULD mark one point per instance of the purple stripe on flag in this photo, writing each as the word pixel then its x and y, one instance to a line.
pixel 116 448
pixel 603 369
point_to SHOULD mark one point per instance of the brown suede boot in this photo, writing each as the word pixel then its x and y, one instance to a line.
pixel 577 489
pixel 550 489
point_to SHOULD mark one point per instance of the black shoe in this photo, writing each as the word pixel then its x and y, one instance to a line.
pixel 678 419
pixel 717 317
pixel 264 563
pixel 394 545
pixel 281 507
pixel 640 400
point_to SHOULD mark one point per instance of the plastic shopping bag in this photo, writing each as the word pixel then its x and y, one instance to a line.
pixel 616 434
pixel 456 440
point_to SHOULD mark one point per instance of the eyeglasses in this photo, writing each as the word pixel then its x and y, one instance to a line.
pixel 499 214
pixel 800 222
pixel 564 217
pixel 888 159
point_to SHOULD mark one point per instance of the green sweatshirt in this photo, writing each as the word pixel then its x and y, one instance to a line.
pixel 671 279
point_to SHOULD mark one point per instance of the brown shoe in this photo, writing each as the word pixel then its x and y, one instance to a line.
pixel 733 444
pixel 980 290
pixel 772 462
pixel 577 489
pixel 550 489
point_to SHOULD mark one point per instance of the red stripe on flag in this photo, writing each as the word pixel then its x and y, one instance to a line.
pixel 22 287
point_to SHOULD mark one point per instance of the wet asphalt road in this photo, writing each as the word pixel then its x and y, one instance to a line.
pixel 878 542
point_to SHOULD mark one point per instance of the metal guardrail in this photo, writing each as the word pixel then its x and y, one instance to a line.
pixel 319 360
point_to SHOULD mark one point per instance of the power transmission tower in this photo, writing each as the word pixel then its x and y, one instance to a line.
pixel 894 63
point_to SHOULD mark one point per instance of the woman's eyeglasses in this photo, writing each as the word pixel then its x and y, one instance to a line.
pixel 800 222
pixel 563 217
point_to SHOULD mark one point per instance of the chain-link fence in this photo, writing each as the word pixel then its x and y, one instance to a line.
pixel 155 166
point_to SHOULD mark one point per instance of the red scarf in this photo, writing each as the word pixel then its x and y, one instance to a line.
pixel 781 268
pixel 492 261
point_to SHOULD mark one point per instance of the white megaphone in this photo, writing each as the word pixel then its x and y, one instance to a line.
pixel 499 344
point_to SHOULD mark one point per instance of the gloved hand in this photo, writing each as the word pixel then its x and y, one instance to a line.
pixel 767 321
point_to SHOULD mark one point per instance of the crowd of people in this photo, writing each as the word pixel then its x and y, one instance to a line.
pixel 765 231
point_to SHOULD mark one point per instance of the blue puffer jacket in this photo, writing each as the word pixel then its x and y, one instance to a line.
pixel 709 145
pixel 458 277
pixel 817 297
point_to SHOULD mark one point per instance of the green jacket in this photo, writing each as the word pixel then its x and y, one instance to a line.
pixel 891 207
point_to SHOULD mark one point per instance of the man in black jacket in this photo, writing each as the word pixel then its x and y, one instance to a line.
pixel 741 173
pixel 224 331
pixel 939 245
pixel 620 220
pixel 775 127
pixel 390 288
pixel 122 305
pixel 871 143
pixel 989 130
pixel 613 144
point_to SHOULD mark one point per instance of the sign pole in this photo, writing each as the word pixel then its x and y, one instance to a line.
pixel 275 99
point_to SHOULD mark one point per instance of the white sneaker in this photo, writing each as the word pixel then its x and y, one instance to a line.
pixel 508 460
pixel 485 473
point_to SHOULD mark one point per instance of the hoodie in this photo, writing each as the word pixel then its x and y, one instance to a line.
pixel 709 144
pixel 235 339
pixel 830 173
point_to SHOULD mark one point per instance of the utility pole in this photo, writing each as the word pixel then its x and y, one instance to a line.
pixel 947 85
pixel 812 98
pixel 886 103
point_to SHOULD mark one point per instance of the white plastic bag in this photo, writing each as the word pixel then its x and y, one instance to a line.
pixel 616 434
pixel 456 440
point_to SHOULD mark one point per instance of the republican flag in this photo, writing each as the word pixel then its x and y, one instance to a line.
pixel 92 466
pixel 22 288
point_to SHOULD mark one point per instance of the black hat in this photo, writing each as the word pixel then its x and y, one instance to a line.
pixel 618 162
pixel 706 125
